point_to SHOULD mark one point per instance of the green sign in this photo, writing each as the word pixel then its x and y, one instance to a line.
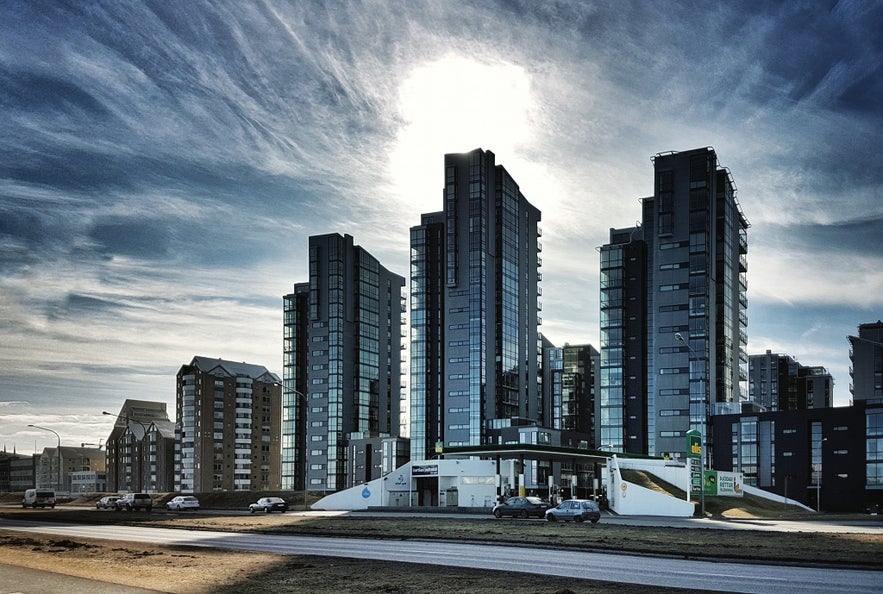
pixel 694 444
pixel 709 484
pixel 694 460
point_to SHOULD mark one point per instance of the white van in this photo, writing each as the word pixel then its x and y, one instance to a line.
pixel 38 498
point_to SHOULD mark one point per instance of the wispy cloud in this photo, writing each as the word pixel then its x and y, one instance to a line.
pixel 163 165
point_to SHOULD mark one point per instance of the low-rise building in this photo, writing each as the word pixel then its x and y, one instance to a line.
pixel 825 458
pixel 141 448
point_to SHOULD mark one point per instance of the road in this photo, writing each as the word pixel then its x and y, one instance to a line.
pixel 650 571
pixel 862 525
pixel 869 525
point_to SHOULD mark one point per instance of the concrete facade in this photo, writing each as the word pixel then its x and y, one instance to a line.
pixel 228 427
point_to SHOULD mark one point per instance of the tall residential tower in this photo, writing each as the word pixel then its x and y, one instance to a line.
pixel 686 268
pixel 342 361
pixel 474 308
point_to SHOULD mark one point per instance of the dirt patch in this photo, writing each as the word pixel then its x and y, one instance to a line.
pixel 166 569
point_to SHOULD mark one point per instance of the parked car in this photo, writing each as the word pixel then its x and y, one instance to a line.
pixel 38 498
pixel 108 502
pixel 134 502
pixel 578 510
pixel 269 504
pixel 521 507
pixel 183 502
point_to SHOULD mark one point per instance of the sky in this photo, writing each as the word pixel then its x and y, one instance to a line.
pixel 162 165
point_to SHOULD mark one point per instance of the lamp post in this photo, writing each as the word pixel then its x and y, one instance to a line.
pixel 140 483
pixel 680 338
pixel 57 454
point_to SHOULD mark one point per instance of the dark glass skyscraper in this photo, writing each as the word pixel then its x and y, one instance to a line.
pixel 474 308
pixel 623 385
pixel 342 366
pixel 570 388
pixel 779 382
pixel 682 277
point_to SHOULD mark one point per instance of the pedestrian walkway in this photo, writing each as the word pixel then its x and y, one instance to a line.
pixel 24 580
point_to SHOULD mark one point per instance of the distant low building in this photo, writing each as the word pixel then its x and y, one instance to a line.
pixel 141 449
pixel 72 460
pixel 17 472
pixel 23 473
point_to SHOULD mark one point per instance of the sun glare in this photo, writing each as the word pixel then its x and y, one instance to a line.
pixel 455 105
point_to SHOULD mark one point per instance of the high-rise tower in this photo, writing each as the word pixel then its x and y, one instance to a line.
pixel 342 361
pixel 474 308
pixel 686 265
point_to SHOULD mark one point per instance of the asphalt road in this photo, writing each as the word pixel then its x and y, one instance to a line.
pixel 650 571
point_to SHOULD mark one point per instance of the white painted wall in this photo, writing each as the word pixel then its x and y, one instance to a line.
pixel 772 496
pixel 629 499
pixel 670 471
pixel 474 481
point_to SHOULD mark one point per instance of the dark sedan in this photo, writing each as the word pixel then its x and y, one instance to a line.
pixel 521 507
pixel 578 510
pixel 269 504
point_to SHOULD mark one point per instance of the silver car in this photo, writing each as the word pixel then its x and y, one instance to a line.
pixel 578 510
pixel 183 502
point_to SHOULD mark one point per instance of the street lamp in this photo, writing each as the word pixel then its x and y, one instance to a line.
pixel 57 454
pixel 680 338
pixel 140 457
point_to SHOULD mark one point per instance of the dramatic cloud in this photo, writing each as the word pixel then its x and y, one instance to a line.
pixel 163 164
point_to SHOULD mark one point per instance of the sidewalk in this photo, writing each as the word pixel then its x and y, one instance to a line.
pixel 23 580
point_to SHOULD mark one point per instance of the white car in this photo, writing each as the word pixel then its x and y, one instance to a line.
pixel 108 502
pixel 183 502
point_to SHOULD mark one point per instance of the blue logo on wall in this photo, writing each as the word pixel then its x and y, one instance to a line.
pixel 366 492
